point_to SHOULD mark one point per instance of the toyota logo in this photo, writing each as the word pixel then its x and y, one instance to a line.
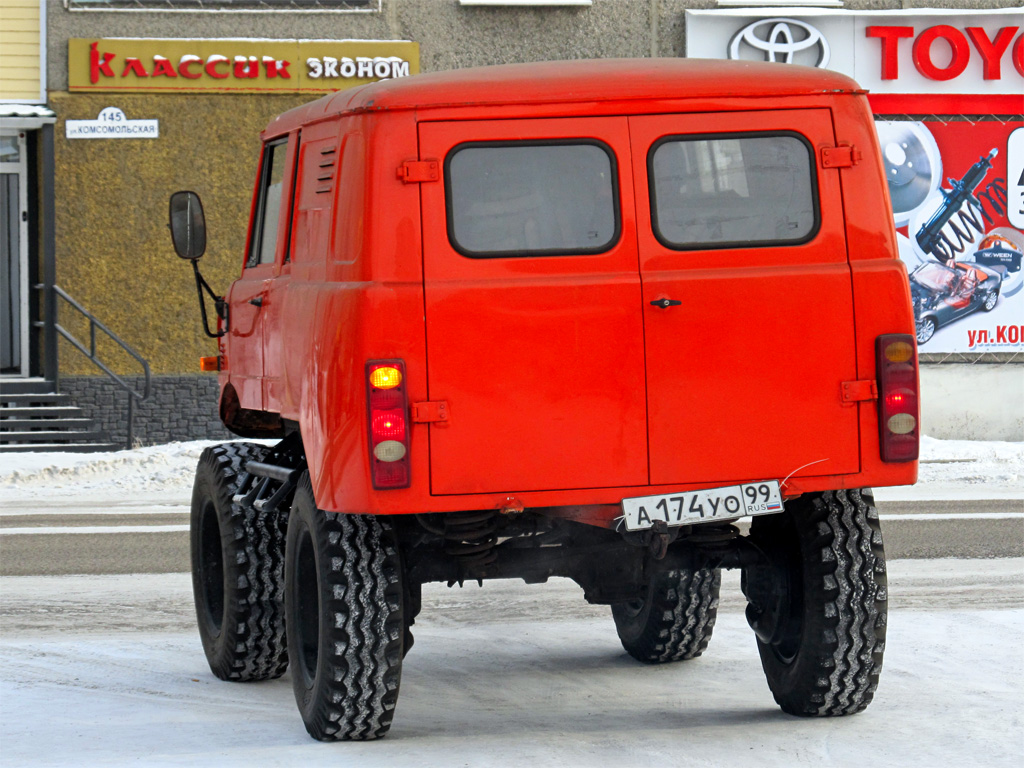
pixel 781 40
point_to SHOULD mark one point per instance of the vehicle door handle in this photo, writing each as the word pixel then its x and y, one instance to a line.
pixel 256 301
pixel 666 303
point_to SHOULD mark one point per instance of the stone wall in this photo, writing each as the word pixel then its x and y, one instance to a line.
pixel 179 408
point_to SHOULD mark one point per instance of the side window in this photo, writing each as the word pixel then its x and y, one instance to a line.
pixel 268 206
pixel 732 190
pixel 532 198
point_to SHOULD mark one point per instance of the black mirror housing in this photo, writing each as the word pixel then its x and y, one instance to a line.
pixel 188 225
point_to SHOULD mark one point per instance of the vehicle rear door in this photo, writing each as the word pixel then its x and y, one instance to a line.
pixel 747 298
pixel 531 288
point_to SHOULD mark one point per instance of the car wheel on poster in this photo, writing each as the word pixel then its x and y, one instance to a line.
pixel 925 330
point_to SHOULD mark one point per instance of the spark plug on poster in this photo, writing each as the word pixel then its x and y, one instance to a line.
pixel 944 237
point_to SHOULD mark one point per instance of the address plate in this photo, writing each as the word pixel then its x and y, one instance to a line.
pixel 703 506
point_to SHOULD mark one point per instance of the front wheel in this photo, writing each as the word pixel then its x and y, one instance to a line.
pixel 344 605
pixel 237 571
pixel 925 329
pixel 818 602
pixel 675 618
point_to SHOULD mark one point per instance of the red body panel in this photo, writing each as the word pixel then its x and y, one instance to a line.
pixel 564 386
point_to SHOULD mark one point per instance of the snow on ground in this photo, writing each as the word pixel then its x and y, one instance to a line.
pixel 950 469
pixel 510 675
pixel 108 670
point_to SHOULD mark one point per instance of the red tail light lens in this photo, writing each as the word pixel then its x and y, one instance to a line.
pixel 899 412
pixel 387 407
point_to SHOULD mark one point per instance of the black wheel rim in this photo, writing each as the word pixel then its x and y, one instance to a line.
pixel 633 608
pixel 306 617
pixel 211 567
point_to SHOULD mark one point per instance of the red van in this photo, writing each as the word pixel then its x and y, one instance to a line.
pixel 572 319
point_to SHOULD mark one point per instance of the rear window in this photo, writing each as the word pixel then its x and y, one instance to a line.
pixel 732 190
pixel 531 198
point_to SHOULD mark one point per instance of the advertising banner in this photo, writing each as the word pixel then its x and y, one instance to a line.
pixel 957 192
pixel 956 179
pixel 123 65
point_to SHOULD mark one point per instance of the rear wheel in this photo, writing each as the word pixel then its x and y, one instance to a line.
pixel 237 571
pixel 925 329
pixel 818 604
pixel 674 620
pixel 344 602
pixel 990 301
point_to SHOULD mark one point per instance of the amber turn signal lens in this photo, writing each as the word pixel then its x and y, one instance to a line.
pixel 898 352
pixel 209 363
pixel 385 377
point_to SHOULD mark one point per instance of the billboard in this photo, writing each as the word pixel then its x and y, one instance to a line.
pixel 957 191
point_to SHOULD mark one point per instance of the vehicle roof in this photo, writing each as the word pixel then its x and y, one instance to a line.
pixel 586 80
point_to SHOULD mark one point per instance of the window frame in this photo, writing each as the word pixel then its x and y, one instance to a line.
pixel 734 244
pixel 529 254
pixel 259 220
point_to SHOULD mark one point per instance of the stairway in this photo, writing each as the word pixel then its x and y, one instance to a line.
pixel 48 422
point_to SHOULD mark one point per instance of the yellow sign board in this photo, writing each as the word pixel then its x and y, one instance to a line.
pixel 226 66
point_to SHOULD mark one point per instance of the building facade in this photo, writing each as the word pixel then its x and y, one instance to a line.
pixel 140 98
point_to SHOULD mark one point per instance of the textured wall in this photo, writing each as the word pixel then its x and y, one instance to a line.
pixel 180 408
pixel 972 402
pixel 114 252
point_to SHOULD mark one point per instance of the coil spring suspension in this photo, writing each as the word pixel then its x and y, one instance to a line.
pixel 471 537
pixel 959 232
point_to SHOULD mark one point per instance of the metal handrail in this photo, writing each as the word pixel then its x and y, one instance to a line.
pixel 90 352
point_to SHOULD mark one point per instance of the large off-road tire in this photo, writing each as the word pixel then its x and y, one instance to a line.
pixel 237 571
pixel 344 602
pixel 819 610
pixel 675 618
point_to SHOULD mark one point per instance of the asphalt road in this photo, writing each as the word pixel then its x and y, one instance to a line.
pixel 64 537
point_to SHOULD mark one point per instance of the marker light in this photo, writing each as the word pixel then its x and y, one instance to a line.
pixel 898 352
pixel 385 377
pixel 389 450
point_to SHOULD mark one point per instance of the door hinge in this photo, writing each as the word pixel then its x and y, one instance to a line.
pixel 430 412
pixel 840 157
pixel 856 391
pixel 418 171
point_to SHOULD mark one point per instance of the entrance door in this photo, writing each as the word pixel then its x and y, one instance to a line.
pixel 531 287
pixel 751 334
pixel 14 321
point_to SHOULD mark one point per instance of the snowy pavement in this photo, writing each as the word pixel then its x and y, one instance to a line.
pixel 108 670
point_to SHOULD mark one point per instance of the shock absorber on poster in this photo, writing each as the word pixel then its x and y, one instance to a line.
pixel 957 190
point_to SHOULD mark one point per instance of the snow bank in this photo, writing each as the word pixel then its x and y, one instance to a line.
pixel 158 469
pixel 950 469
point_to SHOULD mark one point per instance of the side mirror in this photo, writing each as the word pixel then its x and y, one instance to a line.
pixel 188 225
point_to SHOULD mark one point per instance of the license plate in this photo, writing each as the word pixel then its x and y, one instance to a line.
pixel 703 506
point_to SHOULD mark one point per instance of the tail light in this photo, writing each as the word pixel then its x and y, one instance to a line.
pixel 387 406
pixel 898 407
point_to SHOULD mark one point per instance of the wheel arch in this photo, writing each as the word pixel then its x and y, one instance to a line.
pixel 246 422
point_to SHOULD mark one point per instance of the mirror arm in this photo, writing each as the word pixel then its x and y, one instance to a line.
pixel 219 302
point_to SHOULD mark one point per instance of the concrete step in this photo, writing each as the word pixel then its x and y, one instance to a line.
pixel 60 447
pixel 60 424
pixel 43 411
pixel 47 399
pixel 53 436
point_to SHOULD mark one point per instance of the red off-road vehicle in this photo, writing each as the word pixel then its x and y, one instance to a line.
pixel 566 319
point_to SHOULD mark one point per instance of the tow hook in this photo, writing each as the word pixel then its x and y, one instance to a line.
pixel 658 539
